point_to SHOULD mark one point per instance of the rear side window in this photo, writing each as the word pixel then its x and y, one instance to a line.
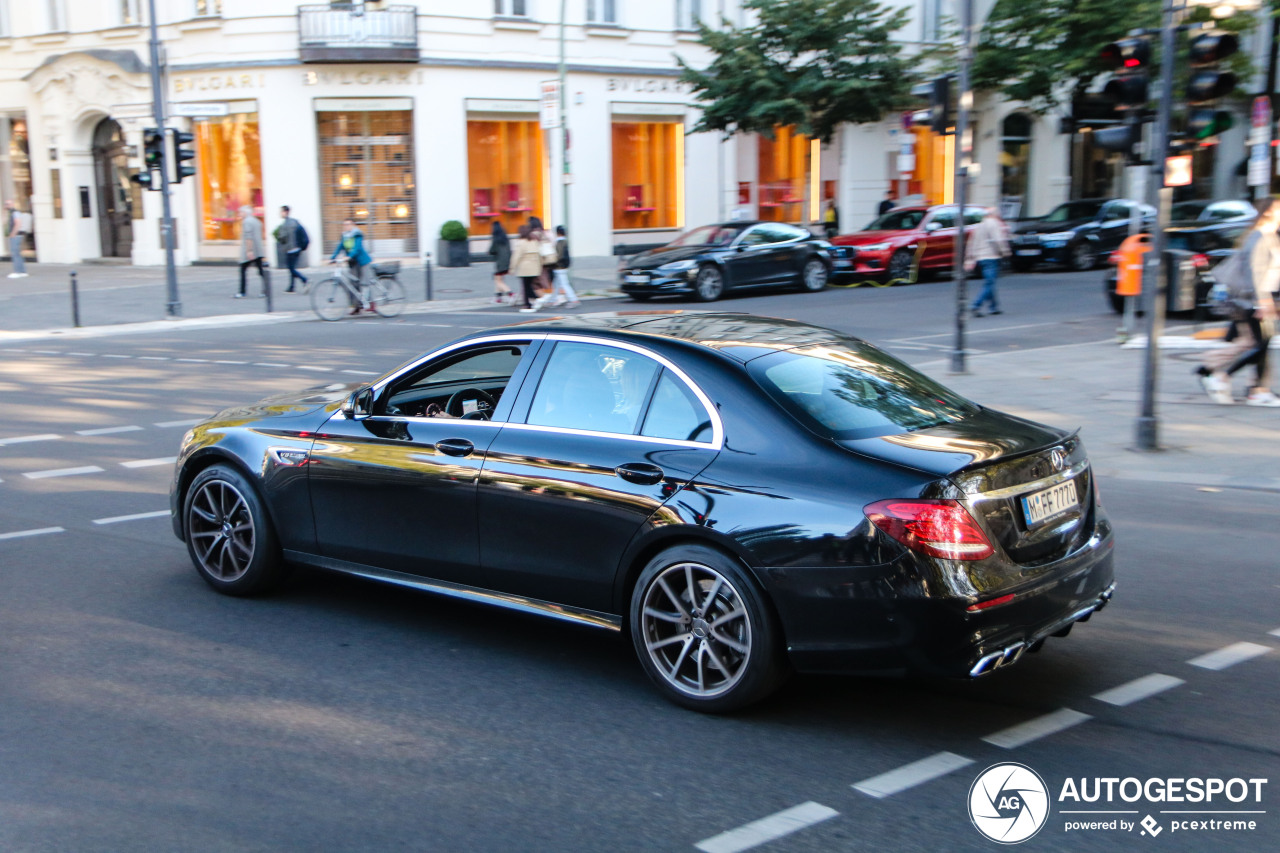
pixel 593 387
pixel 850 390
pixel 675 413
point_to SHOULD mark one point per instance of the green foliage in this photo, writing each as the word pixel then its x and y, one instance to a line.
pixel 810 63
pixel 453 231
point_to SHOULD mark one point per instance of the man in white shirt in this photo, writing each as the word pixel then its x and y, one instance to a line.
pixel 17 225
pixel 989 245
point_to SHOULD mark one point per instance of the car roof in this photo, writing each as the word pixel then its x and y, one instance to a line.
pixel 741 337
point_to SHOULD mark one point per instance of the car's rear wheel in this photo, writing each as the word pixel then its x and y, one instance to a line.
pixel 814 275
pixel 1083 257
pixel 229 534
pixel 641 297
pixel 899 268
pixel 703 631
pixel 710 284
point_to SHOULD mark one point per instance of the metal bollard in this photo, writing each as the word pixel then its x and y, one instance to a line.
pixel 266 286
pixel 75 301
pixel 426 262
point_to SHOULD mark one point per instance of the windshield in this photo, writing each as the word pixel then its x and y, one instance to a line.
pixel 1187 210
pixel 896 220
pixel 707 235
pixel 1074 210
pixel 849 390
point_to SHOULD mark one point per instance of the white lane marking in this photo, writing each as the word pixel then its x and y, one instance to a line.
pixel 62 472
pixel 47 351
pixel 1024 733
pixel 194 360
pixel 225 361
pixel 1275 633
pixel 19 534
pixel 135 517
pixel 268 364
pixel 1229 656
pixel 12 349
pixel 362 372
pixel 910 775
pixel 310 367
pixel 114 355
pixel 87 354
pixel 767 829
pixel 1139 688
pixel 153 358
pixel 188 422
pixel 23 439
pixel 108 430
pixel 150 463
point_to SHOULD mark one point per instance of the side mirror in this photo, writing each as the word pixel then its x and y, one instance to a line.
pixel 932 226
pixel 359 405
pixel 742 247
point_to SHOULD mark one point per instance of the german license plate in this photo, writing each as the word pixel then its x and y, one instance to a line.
pixel 1042 506
pixel 636 279
pixel 1025 252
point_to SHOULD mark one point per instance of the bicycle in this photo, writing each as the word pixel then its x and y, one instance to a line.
pixel 333 298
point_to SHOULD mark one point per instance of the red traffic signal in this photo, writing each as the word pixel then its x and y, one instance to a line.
pixel 1127 54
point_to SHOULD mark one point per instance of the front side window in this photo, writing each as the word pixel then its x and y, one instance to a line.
pixel 944 219
pixel 779 232
pixel 1073 210
pixel 706 235
pixel 593 387
pixel 467 384
pixel 851 390
pixel 896 220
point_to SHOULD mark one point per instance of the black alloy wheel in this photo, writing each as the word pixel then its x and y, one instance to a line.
pixel 899 268
pixel 703 631
pixel 814 275
pixel 229 535
pixel 1083 256
pixel 710 284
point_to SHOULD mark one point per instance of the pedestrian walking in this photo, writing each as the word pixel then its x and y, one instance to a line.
pixel 1252 279
pixel 17 225
pixel 293 237
pixel 546 250
pixel 351 244
pixel 526 262
pixel 251 249
pixel 989 247
pixel 831 219
pixel 562 292
pixel 500 251
pixel 886 203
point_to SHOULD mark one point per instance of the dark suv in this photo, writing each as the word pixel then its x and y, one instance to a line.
pixel 1076 234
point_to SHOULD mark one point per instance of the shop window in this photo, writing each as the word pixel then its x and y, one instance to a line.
pixel 783 163
pixel 1015 159
pixel 367 174
pixel 648 161
pixel 229 169
pixel 505 169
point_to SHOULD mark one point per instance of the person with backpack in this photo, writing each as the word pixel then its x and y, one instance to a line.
pixel 295 240
pixel 1252 280
pixel 562 292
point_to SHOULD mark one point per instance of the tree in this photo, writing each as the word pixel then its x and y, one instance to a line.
pixel 814 64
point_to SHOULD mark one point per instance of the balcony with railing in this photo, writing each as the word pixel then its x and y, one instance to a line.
pixel 354 33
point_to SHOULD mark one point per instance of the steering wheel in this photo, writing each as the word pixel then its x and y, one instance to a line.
pixel 454 406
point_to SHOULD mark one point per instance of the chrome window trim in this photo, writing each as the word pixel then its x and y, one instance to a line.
pixel 674 442
pixel 445 350
pixel 1034 486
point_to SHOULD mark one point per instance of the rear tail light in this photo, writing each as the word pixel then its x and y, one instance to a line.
pixel 1113 258
pixel 1200 262
pixel 939 528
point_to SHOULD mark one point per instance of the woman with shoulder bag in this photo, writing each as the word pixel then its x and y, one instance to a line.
pixel 526 262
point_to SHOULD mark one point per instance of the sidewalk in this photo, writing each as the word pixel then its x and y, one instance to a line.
pixel 113 294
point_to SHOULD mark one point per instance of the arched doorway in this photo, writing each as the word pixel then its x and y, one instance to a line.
pixel 1015 163
pixel 115 193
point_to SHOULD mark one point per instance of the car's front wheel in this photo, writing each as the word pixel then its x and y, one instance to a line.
pixel 703 631
pixel 709 285
pixel 814 275
pixel 1083 256
pixel 640 297
pixel 229 534
pixel 899 269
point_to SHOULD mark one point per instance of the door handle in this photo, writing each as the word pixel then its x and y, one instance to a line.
pixel 640 473
pixel 455 447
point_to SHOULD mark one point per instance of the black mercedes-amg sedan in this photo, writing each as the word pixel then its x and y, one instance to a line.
pixel 743 496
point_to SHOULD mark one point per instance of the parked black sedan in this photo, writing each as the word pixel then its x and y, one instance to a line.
pixel 1076 234
pixel 740 495
pixel 709 260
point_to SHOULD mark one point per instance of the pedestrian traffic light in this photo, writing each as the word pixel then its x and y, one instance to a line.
pixel 1129 59
pixel 1207 84
pixel 152 159
pixel 182 154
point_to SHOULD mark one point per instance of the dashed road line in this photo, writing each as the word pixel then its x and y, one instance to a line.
pixel 23 439
pixel 154 358
pixel 313 367
pixel 1229 656
pixel 41 531
pixel 362 372
pixel 910 775
pixel 150 463
pixel 115 355
pixel 1139 688
pixel 47 351
pixel 62 472
pixel 268 364
pixel 227 361
pixel 108 430
pixel 766 829
pixel 187 422
pixel 193 360
pixel 83 354
pixel 137 516
pixel 1024 733
pixel 1275 633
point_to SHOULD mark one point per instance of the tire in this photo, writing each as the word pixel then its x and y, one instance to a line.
pixel 229 534
pixel 640 297
pixel 1022 266
pixel 710 284
pixel 330 300
pixel 1083 257
pixel 716 664
pixel 386 293
pixel 814 275
pixel 899 268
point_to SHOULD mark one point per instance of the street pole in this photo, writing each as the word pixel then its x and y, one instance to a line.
pixel 1148 424
pixel 173 306
pixel 964 99
pixel 564 129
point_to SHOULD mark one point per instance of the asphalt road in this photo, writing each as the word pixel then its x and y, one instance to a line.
pixel 141 711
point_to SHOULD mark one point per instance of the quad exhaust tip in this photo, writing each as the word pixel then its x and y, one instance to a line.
pixel 1012 654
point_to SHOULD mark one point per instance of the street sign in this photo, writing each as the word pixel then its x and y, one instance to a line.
pixel 1260 120
pixel 1259 160
pixel 549 104
pixel 198 110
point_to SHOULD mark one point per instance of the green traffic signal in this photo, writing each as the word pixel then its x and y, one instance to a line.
pixel 1205 123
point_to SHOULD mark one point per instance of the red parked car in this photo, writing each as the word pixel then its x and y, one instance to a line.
pixel 889 245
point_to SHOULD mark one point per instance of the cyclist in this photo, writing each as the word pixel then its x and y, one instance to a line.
pixel 352 245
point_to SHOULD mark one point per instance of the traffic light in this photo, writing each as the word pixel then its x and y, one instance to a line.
pixel 181 155
pixel 1129 60
pixel 938 116
pixel 152 159
pixel 1208 84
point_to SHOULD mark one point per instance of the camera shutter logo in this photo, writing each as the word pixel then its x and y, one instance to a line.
pixel 1008 803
